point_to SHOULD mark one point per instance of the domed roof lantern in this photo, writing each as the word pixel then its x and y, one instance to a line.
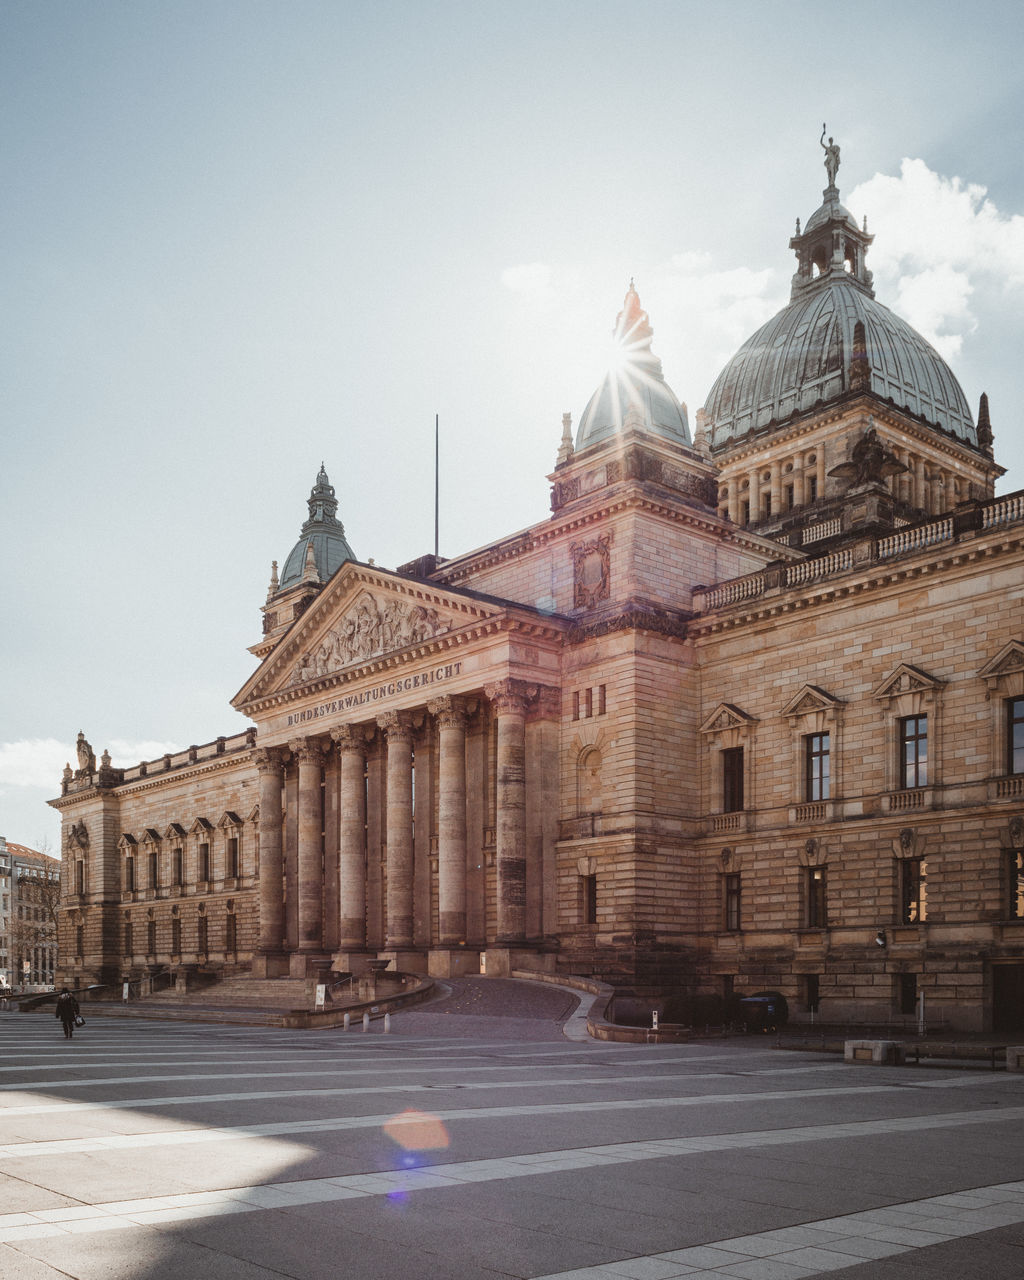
pixel 831 244
pixel 322 537
pixel 634 394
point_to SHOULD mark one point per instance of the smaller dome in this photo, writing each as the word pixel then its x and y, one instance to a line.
pixel 323 533
pixel 634 393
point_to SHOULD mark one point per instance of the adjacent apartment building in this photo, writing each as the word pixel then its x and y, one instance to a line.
pixel 29 901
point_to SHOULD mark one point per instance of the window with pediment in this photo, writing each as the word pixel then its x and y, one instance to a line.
pixel 911 704
pixel 1004 679
pixel 728 734
pixel 816 721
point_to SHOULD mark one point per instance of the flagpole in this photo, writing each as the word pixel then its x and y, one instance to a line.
pixel 437 482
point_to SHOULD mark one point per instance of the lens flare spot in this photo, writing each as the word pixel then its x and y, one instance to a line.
pixel 417 1131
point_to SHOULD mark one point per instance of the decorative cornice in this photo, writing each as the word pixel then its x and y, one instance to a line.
pixel 632 617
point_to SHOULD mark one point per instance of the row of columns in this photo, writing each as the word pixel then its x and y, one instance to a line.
pixel 731 503
pixel 510 700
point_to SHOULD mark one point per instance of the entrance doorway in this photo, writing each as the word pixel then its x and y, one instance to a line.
pixel 1008 998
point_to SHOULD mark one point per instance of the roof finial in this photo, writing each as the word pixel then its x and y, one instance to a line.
pixel 831 157
pixel 565 450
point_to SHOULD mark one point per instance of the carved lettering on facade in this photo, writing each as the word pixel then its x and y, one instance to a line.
pixel 379 693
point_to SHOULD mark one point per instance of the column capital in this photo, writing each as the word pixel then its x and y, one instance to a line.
pixel 548 705
pixel 397 725
pixel 510 695
pixel 307 750
pixel 268 759
pixel 449 711
pixel 349 737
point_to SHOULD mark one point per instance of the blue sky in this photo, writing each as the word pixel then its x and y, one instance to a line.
pixel 237 239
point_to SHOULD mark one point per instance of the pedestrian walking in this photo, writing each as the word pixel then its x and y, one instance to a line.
pixel 67 1011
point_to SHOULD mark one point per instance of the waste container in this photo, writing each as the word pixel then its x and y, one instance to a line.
pixel 767 1011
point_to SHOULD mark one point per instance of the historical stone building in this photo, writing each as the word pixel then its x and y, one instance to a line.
pixel 746 712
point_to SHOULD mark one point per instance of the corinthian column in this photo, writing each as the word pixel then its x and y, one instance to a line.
pixel 352 827
pixel 310 756
pixel 509 698
pixel 451 819
pixel 270 763
pixel 398 925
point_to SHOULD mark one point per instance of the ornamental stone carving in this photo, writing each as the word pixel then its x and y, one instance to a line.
pixel 370 627
pixel 591 563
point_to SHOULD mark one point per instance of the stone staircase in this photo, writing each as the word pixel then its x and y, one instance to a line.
pixel 237 999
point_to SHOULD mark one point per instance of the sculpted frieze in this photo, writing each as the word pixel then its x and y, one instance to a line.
pixel 371 627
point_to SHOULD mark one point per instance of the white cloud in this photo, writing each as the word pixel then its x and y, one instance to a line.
pixel 527 277
pixel 940 241
pixel 39 762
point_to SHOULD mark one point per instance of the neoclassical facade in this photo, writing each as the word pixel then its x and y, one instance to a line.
pixel 746 712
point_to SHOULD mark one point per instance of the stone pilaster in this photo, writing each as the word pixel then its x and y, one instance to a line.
pixel 509 698
pixel 310 756
pixel 351 744
pixel 270 763
pixel 451 819
pixel 397 728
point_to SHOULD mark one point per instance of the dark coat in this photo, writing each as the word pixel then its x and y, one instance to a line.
pixel 67 1007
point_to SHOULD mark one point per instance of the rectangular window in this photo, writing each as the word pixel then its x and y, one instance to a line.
pixel 789 495
pixel 817 767
pixel 1015 735
pixel 913 752
pixel 204 935
pixel 812 488
pixel 732 779
pixel 204 862
pixel 576 705
pixel 1015 877
pixel 766 507
pixel 812 997
pixel 129 875
pixel 154 869
pixel 79 940
pixel 602 700
pixel 129 948
pixel 733 891
pixel 177 868
pixel 745 512
pixel 913 896
pixel 176 937
pixel 588 886
pixel 79 878
pixel 231 933
pixel 817 914
pixel 589 703
pixel 151 938
pixel 233 869
pixel 906 993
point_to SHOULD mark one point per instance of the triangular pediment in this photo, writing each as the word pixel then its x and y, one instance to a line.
pixel 726 716
pixel 175 832
pixel 1008 661
pixel 128 842
pixel 363 615
pixel 810 699
pixel 201 827
pixel 906 679
pixel 229 819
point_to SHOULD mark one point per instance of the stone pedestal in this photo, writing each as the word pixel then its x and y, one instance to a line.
pixel 499 962
pixel 308 964
pixel 404 961
pixel 270 964
pixel 453 962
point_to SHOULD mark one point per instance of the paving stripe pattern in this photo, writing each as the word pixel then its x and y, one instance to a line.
pixel 616 1080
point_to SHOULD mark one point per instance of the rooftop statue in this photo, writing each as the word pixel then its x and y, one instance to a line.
pixel 831 157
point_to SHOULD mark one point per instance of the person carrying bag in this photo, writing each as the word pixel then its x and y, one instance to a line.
pixel 69 1013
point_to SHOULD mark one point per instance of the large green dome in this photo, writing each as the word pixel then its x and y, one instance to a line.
pixel 801 359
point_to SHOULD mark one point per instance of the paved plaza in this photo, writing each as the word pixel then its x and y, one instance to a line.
pixel 485 1136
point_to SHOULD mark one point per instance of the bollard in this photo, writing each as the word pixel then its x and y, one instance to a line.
pixel 366 1022
pixel 348 1021
pixel 387 1023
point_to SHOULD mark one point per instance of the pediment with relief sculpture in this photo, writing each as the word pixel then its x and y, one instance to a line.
pixel 363 615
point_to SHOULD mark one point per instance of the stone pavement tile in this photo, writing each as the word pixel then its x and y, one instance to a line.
pixel 15 1265
pixel 860 1247
pixel 650 1269
pixel 817 1259
pixel 902 1235
pixel 701 1255
pixel 766 1269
